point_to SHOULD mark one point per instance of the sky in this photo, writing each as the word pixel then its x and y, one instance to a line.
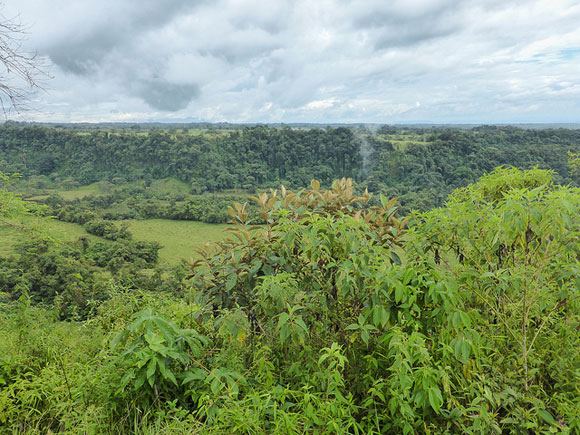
pixel 319 61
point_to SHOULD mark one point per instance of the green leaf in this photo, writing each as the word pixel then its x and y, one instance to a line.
pixel 301 323
pixel 215 385
pixel 399 292
pixel 283 319
pixel 465 350
pixel 151 371
pixel 154 340
pixel 168 328
pixel 384 200
pixel 119 339
pixel 162 368
pixel 547 417
pixel 465 319
pixel 171 377
pixel 140 381
pixel 435 398
pixel 284 333
pixel 127 377
pixel 365 336
pixel 231 281
pixel 193 375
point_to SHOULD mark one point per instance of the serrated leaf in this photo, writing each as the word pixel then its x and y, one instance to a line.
pixel 283 319
pixel 301 323
pixel 140 381
pixel 365 336
pixel 284 333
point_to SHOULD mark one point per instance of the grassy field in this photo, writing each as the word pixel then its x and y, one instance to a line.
pixel 63 231
pixel 402 145
pixel 163 186
pixel 177 238
pixel 70 195
pixel 402 141
pixel 81 192
pixel 169 185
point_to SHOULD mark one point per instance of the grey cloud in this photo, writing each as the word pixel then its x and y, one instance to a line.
pixel 397 24
pixel 400 13
pixel 273 26
pixel 82 56
pixel 240 52
pixel 408 36
pixel 165 96
pixel 118 26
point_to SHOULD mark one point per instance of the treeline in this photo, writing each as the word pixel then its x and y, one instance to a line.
pixel 420 166
pixel 209 162
pixel 422 175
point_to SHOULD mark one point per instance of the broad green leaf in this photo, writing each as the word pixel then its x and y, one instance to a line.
pixel 547 417
pixel 231 281
pixel 119 339
pixel 399 292
pixel 151 371
pixel 435 398
pixel 192 375
pixel 465 319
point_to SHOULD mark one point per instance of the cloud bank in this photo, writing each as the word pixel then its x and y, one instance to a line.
pixel 304 61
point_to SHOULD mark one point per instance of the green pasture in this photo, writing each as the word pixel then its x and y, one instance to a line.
pixel 178 239
pixel 169 185
pixel 163 186
pixel 14 232
pixel 69 195
pixel 80 192
pixel 402 145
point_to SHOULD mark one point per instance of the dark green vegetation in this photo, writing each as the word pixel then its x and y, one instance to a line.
pixel 322 312
pixel 419 166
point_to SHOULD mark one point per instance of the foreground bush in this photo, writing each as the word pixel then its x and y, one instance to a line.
pixel 331 318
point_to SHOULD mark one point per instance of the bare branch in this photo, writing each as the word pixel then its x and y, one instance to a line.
pixel 21 73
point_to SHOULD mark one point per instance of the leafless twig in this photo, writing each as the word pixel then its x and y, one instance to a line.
pixel 21 73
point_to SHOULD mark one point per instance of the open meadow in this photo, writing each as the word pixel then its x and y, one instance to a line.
pixel 178 239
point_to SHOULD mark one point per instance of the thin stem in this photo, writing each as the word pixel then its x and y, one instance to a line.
pixel 502 318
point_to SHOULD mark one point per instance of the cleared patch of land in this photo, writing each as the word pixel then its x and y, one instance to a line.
pixel 70 195
pixel 169 185
pixel 177 238
pixel 402 145
pixel 20 231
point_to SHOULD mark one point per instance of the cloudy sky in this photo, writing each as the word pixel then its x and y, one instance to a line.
pixel 375 61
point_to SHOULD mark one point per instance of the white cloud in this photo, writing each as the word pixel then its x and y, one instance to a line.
pixel 320 104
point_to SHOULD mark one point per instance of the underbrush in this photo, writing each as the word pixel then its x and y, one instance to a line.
pixel 333 317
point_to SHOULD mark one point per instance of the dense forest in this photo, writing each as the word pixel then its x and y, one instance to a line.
pixel 419 166
pixel 330 307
